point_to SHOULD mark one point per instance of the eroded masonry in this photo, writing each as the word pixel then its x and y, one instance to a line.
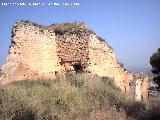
pixel 38 51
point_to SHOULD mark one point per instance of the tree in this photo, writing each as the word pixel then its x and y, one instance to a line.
pixel 155 62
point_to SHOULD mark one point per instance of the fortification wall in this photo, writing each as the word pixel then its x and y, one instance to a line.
pixel 48 51
pixel 32 53
pixel 103 62
pixel 72 49
pixel 141 86
pixel 144 87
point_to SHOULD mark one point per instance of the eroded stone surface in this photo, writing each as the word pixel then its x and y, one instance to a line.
pixel 32 53
pixel 49 51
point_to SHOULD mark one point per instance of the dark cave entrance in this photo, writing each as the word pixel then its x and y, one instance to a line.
pixel 78 68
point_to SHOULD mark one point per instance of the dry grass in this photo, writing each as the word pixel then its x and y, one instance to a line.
pixel 80 97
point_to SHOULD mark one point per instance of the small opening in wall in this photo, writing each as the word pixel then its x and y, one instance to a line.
pixel 129 84
pixel 78 67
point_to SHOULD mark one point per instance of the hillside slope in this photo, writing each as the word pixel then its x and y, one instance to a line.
pixel 75 97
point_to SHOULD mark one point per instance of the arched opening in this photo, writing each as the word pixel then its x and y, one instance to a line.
pixel 78 68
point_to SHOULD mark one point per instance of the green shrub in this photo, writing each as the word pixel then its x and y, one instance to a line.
pixel 154 61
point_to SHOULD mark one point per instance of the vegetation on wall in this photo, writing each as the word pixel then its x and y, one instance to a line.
pixel 70 28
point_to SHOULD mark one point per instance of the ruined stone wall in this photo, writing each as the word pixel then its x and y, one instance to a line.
pixel 49 51
pixel 103 62
pixel 141 86
pixel 72 48
pixel 32 53
pixel 144 87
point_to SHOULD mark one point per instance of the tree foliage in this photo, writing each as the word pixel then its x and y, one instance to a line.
pixel 155 62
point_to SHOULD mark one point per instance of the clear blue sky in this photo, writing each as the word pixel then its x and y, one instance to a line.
pixel 131 27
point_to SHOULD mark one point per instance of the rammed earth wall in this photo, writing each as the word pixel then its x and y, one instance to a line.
pixel 38 51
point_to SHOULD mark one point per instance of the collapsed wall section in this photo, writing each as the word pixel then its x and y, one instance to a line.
pixel 139 86
pixel 103 62
pixel 32 53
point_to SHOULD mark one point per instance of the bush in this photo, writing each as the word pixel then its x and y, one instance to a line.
pixel 77 28
pixel 78 82
pixel 59 32
pixel 77 96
